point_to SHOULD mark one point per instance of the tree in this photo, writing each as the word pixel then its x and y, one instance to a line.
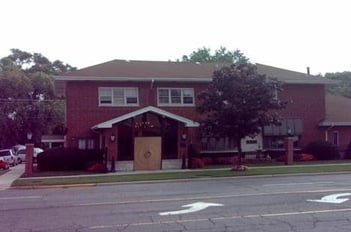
pixel 343 87
pixel 238 103
pixel 221 55
pixel 27 99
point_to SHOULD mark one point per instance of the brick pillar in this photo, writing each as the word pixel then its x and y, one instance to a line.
pixel 29 159
pixel 289 150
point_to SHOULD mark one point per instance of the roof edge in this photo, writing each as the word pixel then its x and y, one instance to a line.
pixel 109 123
pixel 329 123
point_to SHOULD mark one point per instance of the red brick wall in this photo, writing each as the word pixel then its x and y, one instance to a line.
pixel 344 136
pixel 304 101
pixel 83 110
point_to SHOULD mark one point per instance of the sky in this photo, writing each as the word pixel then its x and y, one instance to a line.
pixel 289 34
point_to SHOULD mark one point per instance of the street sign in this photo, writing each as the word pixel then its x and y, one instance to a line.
pixel 194 207
pixel 333 198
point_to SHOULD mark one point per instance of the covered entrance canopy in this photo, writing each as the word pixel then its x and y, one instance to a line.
pixel 108 124
pixel 134 130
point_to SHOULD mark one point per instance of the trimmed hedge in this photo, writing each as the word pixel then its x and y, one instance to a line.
pixel 64 159
pixel 322 150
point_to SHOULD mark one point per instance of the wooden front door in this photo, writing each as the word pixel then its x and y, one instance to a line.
pixel 147 153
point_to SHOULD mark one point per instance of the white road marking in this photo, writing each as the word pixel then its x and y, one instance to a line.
pixel 279 214
pixel 208 197
pixel 194 207
pixel 293 184
pixel 333 198
pixel 20 198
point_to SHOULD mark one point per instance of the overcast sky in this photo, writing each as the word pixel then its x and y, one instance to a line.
pixel 291 34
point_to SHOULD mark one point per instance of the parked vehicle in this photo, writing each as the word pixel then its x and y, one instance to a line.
pixel 4 165
pixel 21 153
pixel 8 156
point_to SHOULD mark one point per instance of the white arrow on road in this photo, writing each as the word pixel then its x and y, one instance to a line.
pixel 194 207
pixel 333 198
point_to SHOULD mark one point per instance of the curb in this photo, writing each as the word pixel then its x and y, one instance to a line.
pixel 54 186
pixel 170 180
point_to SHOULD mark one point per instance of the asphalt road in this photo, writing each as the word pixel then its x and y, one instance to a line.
pixel 288 203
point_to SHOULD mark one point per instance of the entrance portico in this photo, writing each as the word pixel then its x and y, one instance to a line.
pixel 147 139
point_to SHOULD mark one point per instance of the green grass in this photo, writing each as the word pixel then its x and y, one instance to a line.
pixel 186 174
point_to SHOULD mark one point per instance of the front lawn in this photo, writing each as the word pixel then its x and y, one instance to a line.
pixel 183 174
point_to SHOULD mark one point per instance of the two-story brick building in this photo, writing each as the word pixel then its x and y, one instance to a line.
pixel 144 112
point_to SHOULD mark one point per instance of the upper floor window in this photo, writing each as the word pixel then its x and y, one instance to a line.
pixel 117 96
pixel 175 96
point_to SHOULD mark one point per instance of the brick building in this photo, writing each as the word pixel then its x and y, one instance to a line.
pixel 144 113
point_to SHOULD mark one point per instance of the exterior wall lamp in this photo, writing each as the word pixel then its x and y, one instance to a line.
pixel 29 135
pixel 184 136
pixel 112 137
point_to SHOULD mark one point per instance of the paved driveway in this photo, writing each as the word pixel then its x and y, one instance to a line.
pixel 7 178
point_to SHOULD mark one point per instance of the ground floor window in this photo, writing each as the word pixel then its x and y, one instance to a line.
pixel 277 142
pixel 86 144
pixel 217 144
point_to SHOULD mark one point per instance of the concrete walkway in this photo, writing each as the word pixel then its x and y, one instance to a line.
pixel 10 176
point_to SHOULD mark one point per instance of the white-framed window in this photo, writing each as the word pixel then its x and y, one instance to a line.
pixel 175 96
pixel 86 144
pixel 118 96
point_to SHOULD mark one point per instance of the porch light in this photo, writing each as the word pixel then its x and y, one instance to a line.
pixel 184 136
pixel 112 137
pixel 29 135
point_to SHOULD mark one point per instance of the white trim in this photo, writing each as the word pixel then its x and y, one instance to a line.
pixel 109 123
pixel 325 123
pixel 125 97
pixel 177 79
pixel 133 79
pixel 181 104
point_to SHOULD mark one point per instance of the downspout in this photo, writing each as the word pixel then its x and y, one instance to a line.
pixel 326 132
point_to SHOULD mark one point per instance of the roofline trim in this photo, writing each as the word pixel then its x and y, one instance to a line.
pixel 328 123
pixel 133 79
pixel 172 79
pixel 109 123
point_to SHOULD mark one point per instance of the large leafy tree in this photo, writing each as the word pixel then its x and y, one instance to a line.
pixel 238 103
pixel 343 87
pixel 221 55
pixel 27 99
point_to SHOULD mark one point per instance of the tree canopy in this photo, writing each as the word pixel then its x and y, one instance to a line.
pixel 27 99
pixel 343 88
pixel 238 103
pixel 221 55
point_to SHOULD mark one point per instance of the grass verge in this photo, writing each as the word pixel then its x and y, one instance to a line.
pixel 186 174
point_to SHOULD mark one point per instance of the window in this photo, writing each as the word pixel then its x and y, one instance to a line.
pixel 217 144
pixel 109 96
pixel 175 96
pixel 86 144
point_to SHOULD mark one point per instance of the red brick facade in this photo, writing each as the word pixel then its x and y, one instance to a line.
pixel 306 101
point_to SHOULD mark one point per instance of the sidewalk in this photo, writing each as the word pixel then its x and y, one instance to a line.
pixel 10 176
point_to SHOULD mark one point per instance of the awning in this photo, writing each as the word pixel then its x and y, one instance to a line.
pixel 108 124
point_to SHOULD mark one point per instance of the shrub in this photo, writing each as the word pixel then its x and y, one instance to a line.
pixel 322 150
pixel 197 163
pixel 97 167
pixel 63 159
pixel 348 152
pixel 305 157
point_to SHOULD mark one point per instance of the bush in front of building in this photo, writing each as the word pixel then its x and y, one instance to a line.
pixel 67 159
pixel 322 150
pixel 348 152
